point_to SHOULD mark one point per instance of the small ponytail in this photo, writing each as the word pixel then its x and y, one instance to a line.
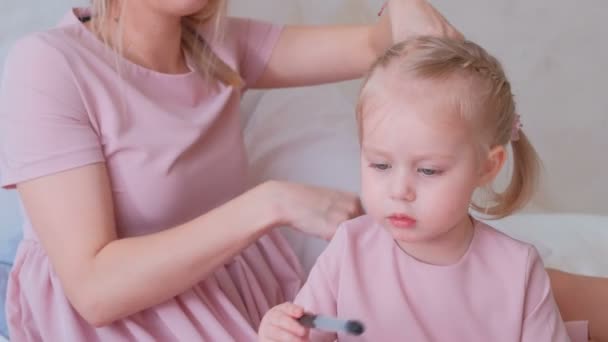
pixel 522 185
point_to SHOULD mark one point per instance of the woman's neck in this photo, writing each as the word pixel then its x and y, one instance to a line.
pixel 148 38
pixel 447 249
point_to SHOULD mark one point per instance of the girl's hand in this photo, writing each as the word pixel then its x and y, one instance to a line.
pixel 403 19
pixel 314 210
pixel 280 324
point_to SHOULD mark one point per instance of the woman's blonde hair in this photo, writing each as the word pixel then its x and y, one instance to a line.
pixel 491 105
pixel 195 47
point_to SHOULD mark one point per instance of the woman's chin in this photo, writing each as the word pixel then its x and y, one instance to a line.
pixel 184 8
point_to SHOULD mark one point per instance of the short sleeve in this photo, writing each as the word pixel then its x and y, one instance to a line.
pixel 320 292
pixel 44 125
pixel 256 40
pixel 542 320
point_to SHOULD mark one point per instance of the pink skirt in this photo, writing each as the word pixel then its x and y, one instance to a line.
pixel 227 306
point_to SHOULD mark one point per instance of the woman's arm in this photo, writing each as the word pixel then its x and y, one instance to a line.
pixel 307 55
pixel 582 298
pixel 106 278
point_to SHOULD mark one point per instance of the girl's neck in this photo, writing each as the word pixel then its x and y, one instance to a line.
pixel 147 38
pixel 446 249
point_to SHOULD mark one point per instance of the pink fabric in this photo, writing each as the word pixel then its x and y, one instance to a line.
pixel 174 150
pixel 578 330
pixel 498 291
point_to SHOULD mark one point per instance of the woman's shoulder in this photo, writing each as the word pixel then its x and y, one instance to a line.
pixel 51 50
pixel 37 45
pixel 69 33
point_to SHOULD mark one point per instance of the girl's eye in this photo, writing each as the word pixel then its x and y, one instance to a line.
pixel 380 166
pixel 428 172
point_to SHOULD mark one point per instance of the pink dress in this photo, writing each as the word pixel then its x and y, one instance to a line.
pixel 174 150
pixel 498 291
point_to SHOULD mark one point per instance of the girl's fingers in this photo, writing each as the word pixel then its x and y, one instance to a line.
pixel 286 319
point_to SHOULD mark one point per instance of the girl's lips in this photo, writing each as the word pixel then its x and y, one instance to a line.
pixel 401 221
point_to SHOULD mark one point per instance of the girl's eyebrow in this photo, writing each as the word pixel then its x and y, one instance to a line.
pixel 424 157
pixel 368 149
pixel 374 150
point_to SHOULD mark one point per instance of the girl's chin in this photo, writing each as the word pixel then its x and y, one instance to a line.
pixel 412 235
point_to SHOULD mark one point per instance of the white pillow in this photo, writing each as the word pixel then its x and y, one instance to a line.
pixel 575 243
pixel 309 135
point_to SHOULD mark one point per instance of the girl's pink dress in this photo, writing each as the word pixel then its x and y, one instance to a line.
pixel 498 291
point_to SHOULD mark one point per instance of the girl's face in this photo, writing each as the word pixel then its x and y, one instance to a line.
pixel 419 162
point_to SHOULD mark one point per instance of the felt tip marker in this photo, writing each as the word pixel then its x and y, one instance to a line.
pixel 326 323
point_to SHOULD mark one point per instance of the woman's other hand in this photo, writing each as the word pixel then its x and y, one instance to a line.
pixel 314 210
pixel 403 19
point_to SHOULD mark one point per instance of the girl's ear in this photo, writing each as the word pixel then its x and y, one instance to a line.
pixel 491 166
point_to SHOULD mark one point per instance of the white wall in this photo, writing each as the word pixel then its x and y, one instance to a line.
pixel 555 52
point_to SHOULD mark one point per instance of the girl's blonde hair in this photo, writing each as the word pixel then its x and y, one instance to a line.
pixel 195 47
pixel 491 105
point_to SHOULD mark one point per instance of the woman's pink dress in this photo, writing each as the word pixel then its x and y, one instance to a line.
pixel 174 150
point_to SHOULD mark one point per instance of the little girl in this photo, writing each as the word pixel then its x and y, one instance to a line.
pixel 436 118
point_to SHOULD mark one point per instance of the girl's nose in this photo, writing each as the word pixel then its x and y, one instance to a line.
pixel 404 190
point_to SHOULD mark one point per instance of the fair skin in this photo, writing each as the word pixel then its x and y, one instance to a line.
pixel 582 298
pixel 106 278
pixel 418 186
pixel 420 195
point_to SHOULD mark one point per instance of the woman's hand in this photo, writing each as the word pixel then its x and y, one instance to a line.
pixel 314 210
pixel 403 19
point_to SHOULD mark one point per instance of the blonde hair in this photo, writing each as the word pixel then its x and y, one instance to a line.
pixel 491 106
pixel 195 47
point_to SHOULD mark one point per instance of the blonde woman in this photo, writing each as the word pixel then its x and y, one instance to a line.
pixel 121 134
